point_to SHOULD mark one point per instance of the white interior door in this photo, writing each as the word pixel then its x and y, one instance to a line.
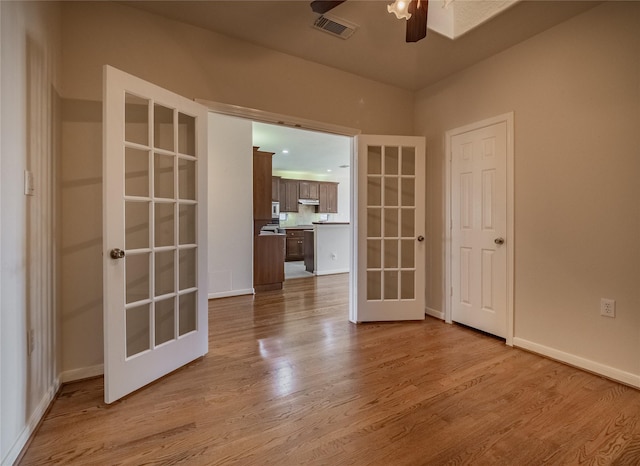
pixel 388 273
pixel 479 228
pixel 154 225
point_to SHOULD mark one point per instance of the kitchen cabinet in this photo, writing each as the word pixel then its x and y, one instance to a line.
pixel 328 195
pixel 275 189
pixel 309 262
pixel 268 262
pixel 261 184
pixel 288 195
pixel 268 250
pixel 308 189
pixel 295 245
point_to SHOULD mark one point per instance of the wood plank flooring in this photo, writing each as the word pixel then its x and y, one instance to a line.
pixel 289 381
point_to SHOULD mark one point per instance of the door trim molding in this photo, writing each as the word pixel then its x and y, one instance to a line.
pixel 277 118
pixel 507 118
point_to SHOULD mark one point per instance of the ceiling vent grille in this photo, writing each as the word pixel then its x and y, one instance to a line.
pixel 335 27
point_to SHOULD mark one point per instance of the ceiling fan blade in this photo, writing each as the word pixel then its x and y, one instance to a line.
pixel 322 6
pixel 417 24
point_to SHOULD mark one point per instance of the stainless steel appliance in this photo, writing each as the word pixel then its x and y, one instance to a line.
pixel 275 212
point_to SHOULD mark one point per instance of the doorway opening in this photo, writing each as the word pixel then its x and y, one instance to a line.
pixel 231 229
pixel 311 191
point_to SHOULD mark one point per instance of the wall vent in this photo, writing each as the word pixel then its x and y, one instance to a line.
pixel 335 26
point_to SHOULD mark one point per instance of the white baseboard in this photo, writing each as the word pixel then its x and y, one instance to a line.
pixel 82 373
pixel 601 369
pixel 34 420
pixel 433 313
pixel 331 272
pixel 227 294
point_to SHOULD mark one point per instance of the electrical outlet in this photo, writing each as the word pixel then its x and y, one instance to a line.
pixel 607 307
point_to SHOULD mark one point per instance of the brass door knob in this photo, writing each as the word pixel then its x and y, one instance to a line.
pixel 117 253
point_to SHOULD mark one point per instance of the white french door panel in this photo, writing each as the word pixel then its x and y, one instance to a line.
pixel 388 281
pixel 479 228
pixel 154 232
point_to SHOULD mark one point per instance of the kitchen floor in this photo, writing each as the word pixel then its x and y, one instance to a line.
pixel 295 269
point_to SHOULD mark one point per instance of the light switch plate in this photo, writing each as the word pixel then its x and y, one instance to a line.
pixel 29 190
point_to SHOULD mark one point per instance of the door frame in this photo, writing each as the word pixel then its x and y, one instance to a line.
pixel 507 118
pixel 313 125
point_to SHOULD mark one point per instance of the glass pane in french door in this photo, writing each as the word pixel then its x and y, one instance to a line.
pixel 391 182
pixel 160 224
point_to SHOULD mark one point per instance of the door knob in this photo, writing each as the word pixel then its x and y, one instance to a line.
pixel 420 238
pixel 499 241
pixel 117 253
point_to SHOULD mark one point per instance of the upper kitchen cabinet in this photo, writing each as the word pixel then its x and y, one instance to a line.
pixel 328 195
pixel 309 190
pixel 261 184
pixel 289 195
pixel 275 189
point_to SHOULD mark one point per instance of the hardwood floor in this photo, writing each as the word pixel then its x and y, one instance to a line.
pixel 289 381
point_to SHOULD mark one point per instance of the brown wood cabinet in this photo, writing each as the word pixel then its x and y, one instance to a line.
pixel 308 189
pixel 268 250
pixel 328 196
pixel 295 245
pixel 309 256
pixel 275 189
pixel 261 184
pixel 268 262
pixel 324 191
pixel 288 195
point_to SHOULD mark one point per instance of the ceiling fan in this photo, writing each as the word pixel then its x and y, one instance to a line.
pixel 416 24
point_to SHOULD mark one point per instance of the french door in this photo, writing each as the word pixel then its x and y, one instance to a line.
pixel 388 273
pixel 154 227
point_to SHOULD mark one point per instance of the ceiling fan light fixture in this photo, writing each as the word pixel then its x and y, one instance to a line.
pixel 400 8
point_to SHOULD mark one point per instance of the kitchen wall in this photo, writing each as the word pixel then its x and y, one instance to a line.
pixel 197 64
pixel 575 92
pixel 30 136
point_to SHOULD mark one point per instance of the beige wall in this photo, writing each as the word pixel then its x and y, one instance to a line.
pixel 197 64
pixel 30 43
pixel 575 93
pixel 201 64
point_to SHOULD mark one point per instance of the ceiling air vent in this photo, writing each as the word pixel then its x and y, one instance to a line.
pixel 335 26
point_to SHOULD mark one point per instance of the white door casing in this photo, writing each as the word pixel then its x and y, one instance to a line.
pixel 155 212
pixel 388 259
pixel 479 278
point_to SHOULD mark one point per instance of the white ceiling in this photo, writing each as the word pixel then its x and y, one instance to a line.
pixel 310 153
pixel 377 50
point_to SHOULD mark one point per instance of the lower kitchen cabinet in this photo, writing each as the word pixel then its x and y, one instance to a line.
pixel 309 262
pixel 295 245
pixel 268 262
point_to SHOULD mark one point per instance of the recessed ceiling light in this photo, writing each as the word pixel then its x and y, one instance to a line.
pixel 285 151
pixel 329 170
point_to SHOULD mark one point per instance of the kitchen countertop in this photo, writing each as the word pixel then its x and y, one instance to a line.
pixel 331 223
pixel 299 227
